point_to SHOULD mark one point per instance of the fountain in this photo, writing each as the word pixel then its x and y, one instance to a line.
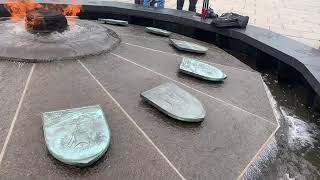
pixel 38 33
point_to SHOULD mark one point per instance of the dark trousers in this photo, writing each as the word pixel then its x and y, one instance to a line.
pixel 192 5
pixel 138 1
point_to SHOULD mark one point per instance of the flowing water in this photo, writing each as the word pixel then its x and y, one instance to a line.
pixel 294 152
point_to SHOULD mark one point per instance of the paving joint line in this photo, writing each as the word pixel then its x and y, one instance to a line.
pixel 15 117
pixel 176 81
pixel 173 54
pixel 257 154
pixel 133 122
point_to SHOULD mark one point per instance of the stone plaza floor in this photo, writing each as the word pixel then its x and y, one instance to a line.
pixel 145 143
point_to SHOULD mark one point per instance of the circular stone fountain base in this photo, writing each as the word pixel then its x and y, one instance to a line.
pixel 82 39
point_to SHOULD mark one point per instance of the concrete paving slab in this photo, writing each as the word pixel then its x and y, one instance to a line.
pixel 135 35
pixel 13 77
pixel 214 54
pixel 64 85
pixel 242 88
pixel 218 148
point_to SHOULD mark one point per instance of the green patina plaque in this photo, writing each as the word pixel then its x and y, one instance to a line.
pixel 188 46
pixel 78 136
pixel 157 31
pixel 114 22
pixel 175 102
pixel 201 70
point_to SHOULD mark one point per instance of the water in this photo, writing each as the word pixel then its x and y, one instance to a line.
pixel 294 151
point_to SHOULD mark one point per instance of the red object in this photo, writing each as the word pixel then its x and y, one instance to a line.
pixel 204 11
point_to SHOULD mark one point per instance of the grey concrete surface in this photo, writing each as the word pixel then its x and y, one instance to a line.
pixel 214 54
pixel 13 77
pixel 218 148
pixel 239 117
pixel 241 88
pixel 64 85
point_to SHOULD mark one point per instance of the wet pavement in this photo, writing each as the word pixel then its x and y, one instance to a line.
pixel 145 143
pixel 295 150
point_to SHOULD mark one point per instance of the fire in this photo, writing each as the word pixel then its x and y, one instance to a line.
pixel 72 9
pixel 19 8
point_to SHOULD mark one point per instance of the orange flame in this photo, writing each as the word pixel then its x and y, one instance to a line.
pixel 19 8
pixel 72 9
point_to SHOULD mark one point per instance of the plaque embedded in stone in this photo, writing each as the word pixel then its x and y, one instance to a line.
pixel 201 70
pixel 114 22
pixel 175 102
pixel 157 31
pixel 188 46
pixel 78 136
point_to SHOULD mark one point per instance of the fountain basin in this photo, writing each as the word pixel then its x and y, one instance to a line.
pixel 18 44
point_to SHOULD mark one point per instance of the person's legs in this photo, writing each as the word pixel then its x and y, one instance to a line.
pixel 180 4
pixel 192 5
pixel 152 3
pixel 137 2
pixel 160 3
pixel 146 3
